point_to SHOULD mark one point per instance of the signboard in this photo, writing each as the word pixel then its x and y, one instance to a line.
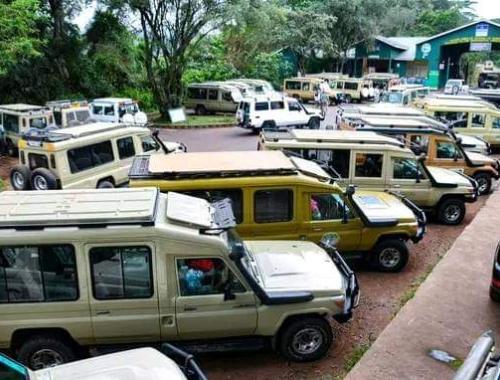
pixel 482 29
pixel 480 46
pixel 426 49
pixel 177 115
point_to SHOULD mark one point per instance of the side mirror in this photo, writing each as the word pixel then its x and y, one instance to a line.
pixel 459 140
pixel 228 291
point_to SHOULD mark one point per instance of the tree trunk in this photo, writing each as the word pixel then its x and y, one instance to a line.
pixel 58 37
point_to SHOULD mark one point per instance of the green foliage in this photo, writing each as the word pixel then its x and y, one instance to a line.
pixel 432 22
pixel 18 40
pixel 271 67
pixel 142 95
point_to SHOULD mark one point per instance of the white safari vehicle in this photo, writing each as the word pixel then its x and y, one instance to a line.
pixel 117 110
pixel 138 364
pixel 275 112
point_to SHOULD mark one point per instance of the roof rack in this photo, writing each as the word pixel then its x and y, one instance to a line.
pixel 20 107
pixel 67 103
pixel 54 134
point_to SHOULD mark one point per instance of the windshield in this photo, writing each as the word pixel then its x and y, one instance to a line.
pixel 392 97
pixel 237 246
pixel 38 122
pixel 82 115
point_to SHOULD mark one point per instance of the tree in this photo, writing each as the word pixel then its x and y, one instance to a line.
pixel 18 34
pixel 171 29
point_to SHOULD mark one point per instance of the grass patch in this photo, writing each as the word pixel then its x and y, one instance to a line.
pixel 196 120
pixel 355 356
pixel 456 364
pixel 2 185
pixel 410 292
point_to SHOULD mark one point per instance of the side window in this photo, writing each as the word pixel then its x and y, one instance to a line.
pixel 421 142
pixel 406 168
pixel 235 195
pixel 369 165
pixel 205 276
pixel 478 120
pixel 38 161
pixel 121 272
pixel 70 116
pixel 338 159
pixel 11 123
pixel 226 96
pixel 294 106
pixel 495 123
pixel 261 106
pixel 212 94
pixel 291 85
pixel 125 147
pixel 90 156
pixel 306 86
pixel 327 207
pixel 98 110
pixel 58 117
pixel 109 111
pixel 44 273
pixel 447 150
pixel 271 206
pixel 277 105
pixel 148 144
pixel 340 85
pixel 406 99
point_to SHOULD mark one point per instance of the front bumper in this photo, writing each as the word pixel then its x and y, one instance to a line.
pixel 352 292
pixel 419 215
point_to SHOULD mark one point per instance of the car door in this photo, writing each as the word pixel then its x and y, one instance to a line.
pixel 124 302
pixel 402 178
pixel 202 310
pixel 368 169
pixel 324 214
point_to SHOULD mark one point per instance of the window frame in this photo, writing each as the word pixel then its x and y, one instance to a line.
pixel 350 213
pixel 291 205
pixel 354 167
pixel 94 165
pixel 120 157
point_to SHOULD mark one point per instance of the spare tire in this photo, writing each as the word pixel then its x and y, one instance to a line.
pixel 365 93
pixel 43 179
pixel 20 177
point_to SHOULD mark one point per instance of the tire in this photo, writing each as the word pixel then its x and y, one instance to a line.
pixel 451 211
pixel 20 177
pixel 484 182
pixel 313 123
pixel 105 184
pixel 303 328
pixel 44 351
pixel 43 179
pixel 200 110
pixel 494 294
pixel 255 131
pixel 390 255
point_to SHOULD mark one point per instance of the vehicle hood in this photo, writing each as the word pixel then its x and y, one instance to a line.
pixel 480 159
pixel 295 266
pixel 448 177
pixel 138 364
pixel 380 206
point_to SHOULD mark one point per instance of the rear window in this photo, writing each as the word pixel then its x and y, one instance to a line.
pixel 261 106
pixel 277 105
pixel 90 156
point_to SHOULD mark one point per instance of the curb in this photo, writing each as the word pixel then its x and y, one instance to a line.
pixel 180 126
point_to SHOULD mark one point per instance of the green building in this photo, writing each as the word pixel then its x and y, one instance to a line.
pixel 435 58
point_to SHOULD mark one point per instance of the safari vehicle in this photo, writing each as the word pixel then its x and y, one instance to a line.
pixel 16 119
pixel 136 364
pixel 258 86
pixel 276 197
pixel 276 111
pixel 209 97
pixel 69 113
pixel 442 147
pixel 482 363
pixel 108 268
pixel 455 87
pixel 376 162
pixel 352 89
pixel 477 118
pixel 404 95
pixel 95 155
pixel 118 110
pixel 495 277
pixel 383 81
pixel 301 88
pixel 327 76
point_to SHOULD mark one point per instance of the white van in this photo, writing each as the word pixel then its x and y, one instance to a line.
pixel 118 110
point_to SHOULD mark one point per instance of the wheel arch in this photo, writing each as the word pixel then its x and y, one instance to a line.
pixel 21 335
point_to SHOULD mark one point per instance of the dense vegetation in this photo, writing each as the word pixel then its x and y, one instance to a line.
pixel 150 49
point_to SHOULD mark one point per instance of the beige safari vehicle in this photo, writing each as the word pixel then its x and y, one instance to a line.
pixel 350 90
pixel 468 117
pixel 277 197
pixel 442 147
pixel 96 155
pixel 210 97
pixel 137 364
pixel 69 113
pixel 376 162
pixel 404 95
pixel 98 268
pixel 383 80
pixel 301 88
pixel 17 119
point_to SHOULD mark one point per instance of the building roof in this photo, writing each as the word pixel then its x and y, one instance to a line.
pixel 460 28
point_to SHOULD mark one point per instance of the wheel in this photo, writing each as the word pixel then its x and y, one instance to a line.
pixel 484 182
pixel 105 184
pixel 451 211
pixel 43 179
pixel 20 177
pixel 43 351
pixel 390 255
pixel 313 123
pixel 200 110
pixel 256 131
pixel 494 294
pixel 306 339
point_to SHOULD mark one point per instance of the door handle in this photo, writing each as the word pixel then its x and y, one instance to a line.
pixel 396 186
pixel 244 305
pixel 190 308
pixel 317 229
pixel 104 312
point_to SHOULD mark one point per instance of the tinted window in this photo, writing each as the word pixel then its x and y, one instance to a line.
pixel 338 159
pixel 205 276
pixel 109 110
pixel 125 147
pixel 447 150
pixel 38 161
pixel 227 96
pixel 235 195
pixel 351 86
pixel 277 105
pixel 495 123
pixel 148 143
pixel 478 120
pixel 38 274
pixel 406 168
pixel 11 123
pixel 121 272
pixel 273 206
pixel 291 85
pixel 212 94
pixel 340 85
pixel 368 165
pixel 327 207
pixel 98 110
pixel 197 93
pixel 90 156
pixel 294 106
pixel 459 119
pixel 261 106
pixel 58 117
